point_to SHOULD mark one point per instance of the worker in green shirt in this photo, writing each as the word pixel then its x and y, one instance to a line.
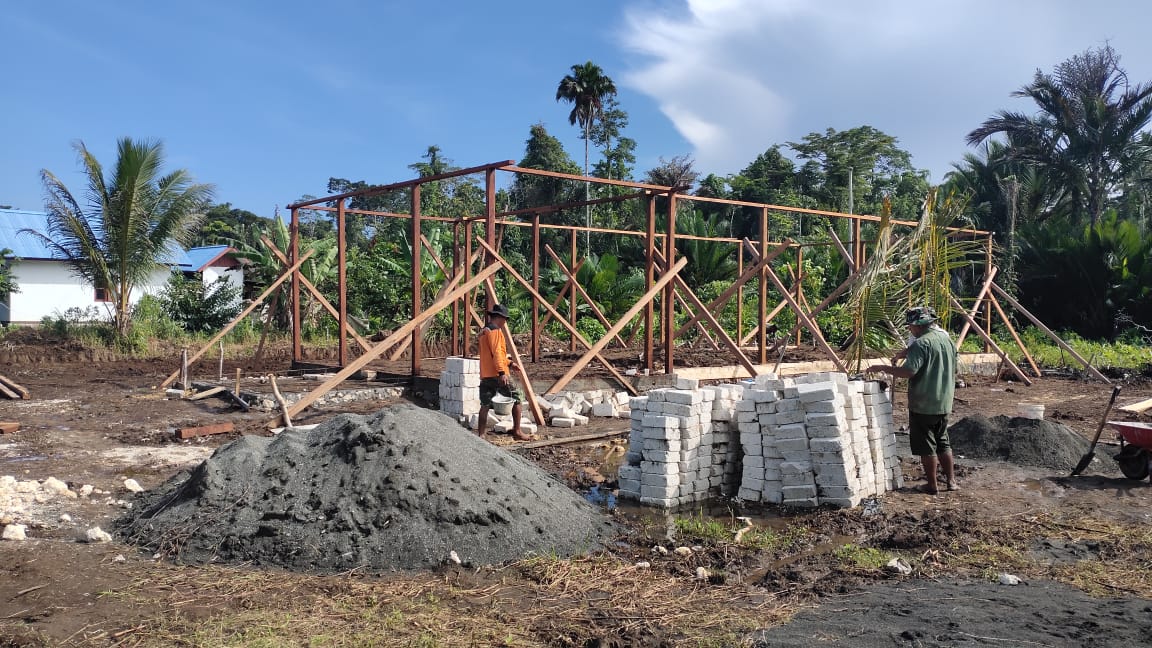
pixel 930 366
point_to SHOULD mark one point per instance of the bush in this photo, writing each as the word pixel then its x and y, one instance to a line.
pixel 200 308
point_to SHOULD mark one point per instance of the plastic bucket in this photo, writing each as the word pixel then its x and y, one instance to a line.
pixel 501 404
pixel 1030 410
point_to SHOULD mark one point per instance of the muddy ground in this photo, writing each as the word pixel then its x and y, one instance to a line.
pixel 1081 547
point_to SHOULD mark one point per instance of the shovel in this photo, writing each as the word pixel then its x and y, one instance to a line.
pixel 1087 458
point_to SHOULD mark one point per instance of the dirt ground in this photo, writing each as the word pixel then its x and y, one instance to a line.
pixel 1081 546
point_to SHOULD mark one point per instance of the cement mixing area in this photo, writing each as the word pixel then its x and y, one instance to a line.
pixel 688 483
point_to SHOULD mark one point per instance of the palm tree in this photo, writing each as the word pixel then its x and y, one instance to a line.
pixel 586 89
pixel 1087 133
pixel 134 220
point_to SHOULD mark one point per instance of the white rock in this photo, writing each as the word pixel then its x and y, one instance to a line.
pixel 1009 579
pixel 643 564
pixel 86 490
pixel 454 557
pixel 133 486
pixel 64 517
pixel 96 534
pixel 660 550
pixel 56 487
pixel 702 573
pixel 119 558
pixel 683 551
pixel 14 532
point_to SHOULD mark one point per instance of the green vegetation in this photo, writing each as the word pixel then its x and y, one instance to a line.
pixel 862 557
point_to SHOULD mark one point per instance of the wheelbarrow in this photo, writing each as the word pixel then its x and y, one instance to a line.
pixel 1135 448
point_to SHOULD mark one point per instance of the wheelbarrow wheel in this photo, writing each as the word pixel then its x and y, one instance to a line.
pixel 1133 462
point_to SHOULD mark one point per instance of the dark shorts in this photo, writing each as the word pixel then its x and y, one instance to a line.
pixel 489 387
pixel 928 434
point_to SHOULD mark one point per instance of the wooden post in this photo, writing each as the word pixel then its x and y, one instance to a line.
pixel 976 305
pixel 1015 337
pixel 1055 338
pixel 988 341
pixel 455 305
pixel 184 369
pixel 237 382
pixel 280 399
pixel 468 295
pixel 220 370
pixel 799 282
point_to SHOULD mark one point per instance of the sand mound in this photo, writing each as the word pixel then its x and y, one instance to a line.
pixel 1022 441
pixel 400 489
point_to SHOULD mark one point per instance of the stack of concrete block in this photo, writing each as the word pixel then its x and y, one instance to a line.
pixel 819 441
pixel 460 388
pixel 669 461
pixel 725 475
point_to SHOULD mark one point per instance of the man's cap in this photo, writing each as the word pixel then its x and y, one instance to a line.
pixel 920 316
pixel 500 310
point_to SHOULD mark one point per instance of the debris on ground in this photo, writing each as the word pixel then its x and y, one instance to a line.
pixel 401 489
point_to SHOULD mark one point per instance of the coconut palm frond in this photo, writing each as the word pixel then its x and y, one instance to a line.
pixel 876 294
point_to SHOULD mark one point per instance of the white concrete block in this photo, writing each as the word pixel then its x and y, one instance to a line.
pixel 563 422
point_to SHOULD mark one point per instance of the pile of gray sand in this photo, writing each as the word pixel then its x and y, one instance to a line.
pixel 401 489
pixel 1021 441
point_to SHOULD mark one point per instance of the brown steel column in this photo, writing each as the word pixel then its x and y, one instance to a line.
pixel 739 295
pixel 468 295
pixel 490 225
pixel 535 352
pixel 572 298
pixel 857 244
pixel 417 234
pixel 799 286
pixel 670 289
pixel 649 279
pixel 294 235
pixel 988 304
pixel 455 303
pixel 762 334
pixel 342 280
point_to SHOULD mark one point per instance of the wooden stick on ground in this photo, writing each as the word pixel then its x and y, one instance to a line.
pixel 280 399
pixel 16 387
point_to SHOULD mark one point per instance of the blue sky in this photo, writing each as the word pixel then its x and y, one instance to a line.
pixel 266 100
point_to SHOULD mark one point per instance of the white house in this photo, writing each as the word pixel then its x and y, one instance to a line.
pixel 47 286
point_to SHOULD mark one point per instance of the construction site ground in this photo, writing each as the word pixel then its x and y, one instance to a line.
pixel 1081 546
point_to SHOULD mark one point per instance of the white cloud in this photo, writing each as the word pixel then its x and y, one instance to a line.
pixel 737 76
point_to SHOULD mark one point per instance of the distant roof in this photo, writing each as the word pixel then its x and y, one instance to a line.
pixel 25 246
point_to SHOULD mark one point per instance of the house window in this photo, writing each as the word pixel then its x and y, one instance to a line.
pixel 101 295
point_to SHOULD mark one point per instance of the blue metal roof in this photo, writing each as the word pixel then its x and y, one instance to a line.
pixel 25 246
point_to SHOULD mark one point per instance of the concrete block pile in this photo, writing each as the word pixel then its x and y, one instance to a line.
pixel 804 441
pixel 569 409
pixel 460 388
pixel 676 454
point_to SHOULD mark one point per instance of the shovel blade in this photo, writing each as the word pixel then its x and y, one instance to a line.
pixel 1084 461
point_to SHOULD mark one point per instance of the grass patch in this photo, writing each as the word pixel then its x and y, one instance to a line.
pixel 861 557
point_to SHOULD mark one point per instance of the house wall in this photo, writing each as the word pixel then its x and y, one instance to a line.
pixel 235 277
pixel 48 288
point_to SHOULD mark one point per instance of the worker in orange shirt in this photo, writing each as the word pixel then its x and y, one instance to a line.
pixel 494 366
